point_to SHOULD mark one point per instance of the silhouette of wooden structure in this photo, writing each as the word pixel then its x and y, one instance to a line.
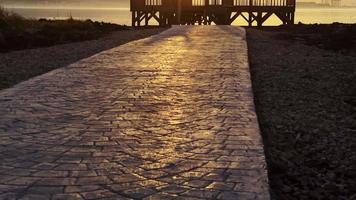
pixel 220 12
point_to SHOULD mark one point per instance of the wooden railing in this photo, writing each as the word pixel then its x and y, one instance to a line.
pixel 215 2
pixel 153 2
pixel 264 3
pixel 136 4
pixel 198 2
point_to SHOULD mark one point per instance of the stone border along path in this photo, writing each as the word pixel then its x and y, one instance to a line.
pixel 167 117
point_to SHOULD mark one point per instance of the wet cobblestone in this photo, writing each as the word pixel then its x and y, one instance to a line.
pixel 166 117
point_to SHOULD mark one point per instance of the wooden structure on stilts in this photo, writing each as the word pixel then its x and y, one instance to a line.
pixel 220 12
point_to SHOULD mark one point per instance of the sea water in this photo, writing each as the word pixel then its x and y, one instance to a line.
pixel 123 16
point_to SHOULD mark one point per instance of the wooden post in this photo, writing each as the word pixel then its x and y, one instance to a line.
pixel 146 19
pixel 259 19
pixel 139 18
pixel 161 19
pixel 292 17
pixel 250 19
pixel 133 19
pixel 205 18
pixel 179 11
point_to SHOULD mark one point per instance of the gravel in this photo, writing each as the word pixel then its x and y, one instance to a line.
pixel 305 98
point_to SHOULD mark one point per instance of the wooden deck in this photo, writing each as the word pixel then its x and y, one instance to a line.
pixel 220 12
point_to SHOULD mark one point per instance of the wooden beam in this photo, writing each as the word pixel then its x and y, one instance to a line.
pixel 155 17
pixel 266 16
pixel 174 12
pixel 233 18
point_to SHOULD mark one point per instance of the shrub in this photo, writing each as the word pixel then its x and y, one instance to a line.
pixel 17 32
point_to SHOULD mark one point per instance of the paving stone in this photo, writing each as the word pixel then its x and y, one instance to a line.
pixel 166 117
pixel 228 195
pixel 51 173
pixel 159 196
pixel 57 181
pixel 125 178
pixel 34 197
pixel 83 173
pixel 79 189
pixel 221 186
pixel 139 193
pixel 8 196
pixel 44 190
pixel 45 166
pixel 174 189
pixel 97 194
pixel 23 181
pixel 67 197
pixel 96 180
pixel 201 193
pixel 197 183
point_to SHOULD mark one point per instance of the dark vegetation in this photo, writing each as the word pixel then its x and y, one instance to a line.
pixel 305 94
pixel 336 36
pixel 56 37
pixel 18 33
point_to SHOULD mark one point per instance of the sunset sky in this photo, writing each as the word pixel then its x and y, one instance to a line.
pixel 117 3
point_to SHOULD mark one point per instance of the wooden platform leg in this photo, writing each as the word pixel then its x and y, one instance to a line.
pixel 139 18
pixel 259 19
pixel 160 22
pixel 162 19
pixel 292 18
pixel 250 20
pixel 133 19
pixel 170 19
pixel 146 19
pixel 205 20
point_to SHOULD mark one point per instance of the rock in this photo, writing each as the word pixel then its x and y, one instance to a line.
pixel 353 197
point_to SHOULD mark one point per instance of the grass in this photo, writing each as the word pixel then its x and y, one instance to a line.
pixel 17 32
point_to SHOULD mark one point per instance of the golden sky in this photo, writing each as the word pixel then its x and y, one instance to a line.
pixel 108 3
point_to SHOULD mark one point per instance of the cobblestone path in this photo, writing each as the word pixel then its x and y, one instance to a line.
pixel 166 117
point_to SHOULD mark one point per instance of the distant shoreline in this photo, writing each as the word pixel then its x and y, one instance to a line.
pixel 299 5
pixel 324 7
pixel 66 7
pixel 320 5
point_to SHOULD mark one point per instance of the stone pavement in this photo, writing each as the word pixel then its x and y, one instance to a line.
pixel 166 117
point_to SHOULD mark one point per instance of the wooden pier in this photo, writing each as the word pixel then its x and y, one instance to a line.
pixel 206 12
